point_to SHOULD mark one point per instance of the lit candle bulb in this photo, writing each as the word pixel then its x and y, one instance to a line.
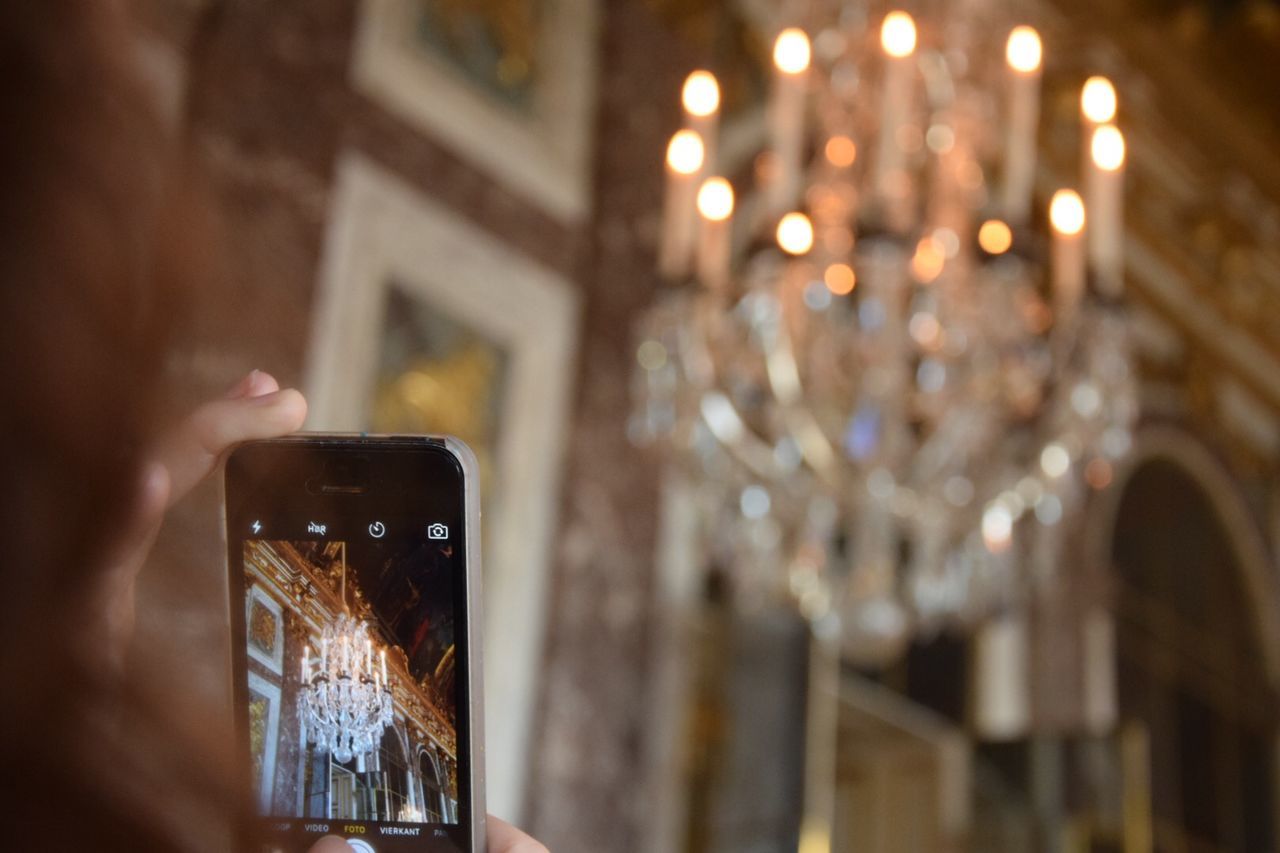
pixel 368 655
pixel 1067 216
pixel 792 55
pixel 685 159
pixel 715 203
pixel 1098 106
pixel 1098 101
pixel 306 664
pixel 898 38
pixel 795 234
pixel 324 655
pixel 1024 55
pixel 382 656
pixel 1104 198
pixel 700 97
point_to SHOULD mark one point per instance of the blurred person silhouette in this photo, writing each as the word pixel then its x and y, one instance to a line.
pixel 102 240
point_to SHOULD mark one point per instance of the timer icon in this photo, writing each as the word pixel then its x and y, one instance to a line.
pixel 377 530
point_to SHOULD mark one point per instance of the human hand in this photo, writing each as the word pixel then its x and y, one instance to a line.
pixel 254 408
pixel 503 838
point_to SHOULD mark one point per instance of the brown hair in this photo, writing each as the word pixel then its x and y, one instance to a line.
pixel 92 247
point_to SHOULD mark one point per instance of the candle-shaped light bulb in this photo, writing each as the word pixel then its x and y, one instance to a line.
pixel 715 199
pixel 368 655
pixel 791 51
pixel 1107 147
pixel 788 104
pixel 685 152
pixel 795 233
pixel 1066 212
pixel 1025 56
pixel 686 157
pixel 1067 216
pixel 715 203
pixel 306 663
pixel 1023 51
pixel 701 94
pixel 324 655
pixel 891 173
pixel 1098 100
pixel 382 657
pixel 1105 201
pixel 898 35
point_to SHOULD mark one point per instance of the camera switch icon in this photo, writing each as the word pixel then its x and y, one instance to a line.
pixel 438 531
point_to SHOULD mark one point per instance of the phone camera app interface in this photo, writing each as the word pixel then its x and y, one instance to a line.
pixel 351 686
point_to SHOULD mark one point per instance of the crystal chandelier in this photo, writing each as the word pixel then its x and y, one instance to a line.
pixel 345 703
pixel 889 385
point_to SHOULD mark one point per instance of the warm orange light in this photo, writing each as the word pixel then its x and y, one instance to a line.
pixel 841 151
pixel 898 34
pixel 791 52
pixel 685 152
pixel 701 93
pixel 1066 212
pixel 994 237
pixel 795 233
pixel 715 199
pixel 927 262
pixel 1107 147
pixel 1098 100
pixel 840 279
pixel 1098 473
pixel 1024 51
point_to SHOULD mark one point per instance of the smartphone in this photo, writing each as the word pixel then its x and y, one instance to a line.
pixel 355 635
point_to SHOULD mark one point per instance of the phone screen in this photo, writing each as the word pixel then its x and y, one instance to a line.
pixel 349 626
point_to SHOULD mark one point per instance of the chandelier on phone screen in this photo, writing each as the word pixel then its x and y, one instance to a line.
pixel 345 701
pixel 889 381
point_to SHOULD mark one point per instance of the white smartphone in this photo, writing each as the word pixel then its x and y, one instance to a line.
pixel 354 580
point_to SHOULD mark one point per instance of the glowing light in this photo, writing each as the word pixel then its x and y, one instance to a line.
pixel 685 152
pixel 652 355
pixel 925 329
pixel 841 151
pixel 840 279
pixel 791 52
pixel 997 527
pixel 715 199
pixel 1023 50
pixel 1098 100
pixel 1055 460
pixel 1098 473
pixel 1066 212
pixel 995 237
pixel 898 34
pixel 795 233
pixel 701 93
pixel 1107 147
pixel 927 262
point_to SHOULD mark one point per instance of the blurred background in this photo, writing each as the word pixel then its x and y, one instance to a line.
pixel 847 487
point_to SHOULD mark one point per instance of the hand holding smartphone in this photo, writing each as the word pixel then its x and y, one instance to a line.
pixel 354 578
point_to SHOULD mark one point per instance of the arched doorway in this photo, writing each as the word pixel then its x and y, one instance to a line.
pixel 433 794
pixel 1193 606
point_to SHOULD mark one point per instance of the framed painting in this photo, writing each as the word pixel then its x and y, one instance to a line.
pixel 424 323
pixel 264 621
pixel 507 85
pixel 264 735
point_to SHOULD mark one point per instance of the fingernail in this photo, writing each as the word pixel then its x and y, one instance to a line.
pixel 242 388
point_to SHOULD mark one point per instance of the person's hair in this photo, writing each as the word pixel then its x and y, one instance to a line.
pixel 91 252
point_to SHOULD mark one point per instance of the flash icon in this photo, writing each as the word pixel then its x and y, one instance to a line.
pixel 256 526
